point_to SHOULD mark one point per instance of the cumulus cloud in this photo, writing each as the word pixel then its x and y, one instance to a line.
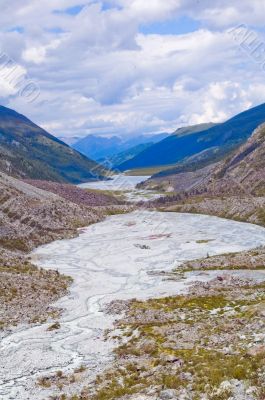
pixel 99 73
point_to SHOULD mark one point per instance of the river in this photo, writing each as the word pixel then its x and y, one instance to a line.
pixel 126 186
pixel 111 260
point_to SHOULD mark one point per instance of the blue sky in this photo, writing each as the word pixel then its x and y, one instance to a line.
pixel 174 26
pixel 125 67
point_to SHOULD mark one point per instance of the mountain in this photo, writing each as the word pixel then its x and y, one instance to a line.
pixel 98 147
pixel 242 173
pixel 103 148
pixel 221 138
pixel 28 151
pixel 117 159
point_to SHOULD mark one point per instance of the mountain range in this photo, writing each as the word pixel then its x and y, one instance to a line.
pixel 202 144
pixel 28 151
pixel 115 150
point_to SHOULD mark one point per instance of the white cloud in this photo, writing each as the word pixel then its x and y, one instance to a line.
pixel 99 74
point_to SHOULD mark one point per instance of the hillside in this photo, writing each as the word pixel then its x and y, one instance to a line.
pixel 28 151
pixel 31 216
pixel 219 140
pixel 233 188
pixel 243 172
pixel 240 173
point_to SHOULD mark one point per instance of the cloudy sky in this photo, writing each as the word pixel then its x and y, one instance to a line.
pixel 130 66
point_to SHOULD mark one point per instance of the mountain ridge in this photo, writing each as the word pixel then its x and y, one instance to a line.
pixel 104 149
pixel 28 151
pixel 241 173
pixel 224 137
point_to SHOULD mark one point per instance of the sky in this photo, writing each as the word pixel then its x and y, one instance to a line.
pixel 130 67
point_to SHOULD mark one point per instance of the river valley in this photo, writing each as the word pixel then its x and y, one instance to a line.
pixel 111 260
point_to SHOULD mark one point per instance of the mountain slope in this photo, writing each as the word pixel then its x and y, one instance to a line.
pixel 222 138
pixel 28 151
pixel 104 148
pixel 242 173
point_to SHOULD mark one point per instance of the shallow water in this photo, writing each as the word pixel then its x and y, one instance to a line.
pixel 111 260
pixel 119 182
pixel 125 184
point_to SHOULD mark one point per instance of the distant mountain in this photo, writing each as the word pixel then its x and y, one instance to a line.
pixel 115 160
pixel 28 151
pixel 221 138
pixel 101 148
pixel 98 147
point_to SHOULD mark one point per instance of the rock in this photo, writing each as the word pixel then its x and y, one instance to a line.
pixel 226 385
pixel 142 246
pixel 168 394
pixel 256 350
pixel 186 376
pixel 172 359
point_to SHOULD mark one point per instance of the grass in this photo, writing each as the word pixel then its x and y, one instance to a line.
pixel 204 241
pixel 223 268
pixel 147 171
pixel 116 211
pixel 109 193
pixel 172 303
pixel 14 244
pixel 261 216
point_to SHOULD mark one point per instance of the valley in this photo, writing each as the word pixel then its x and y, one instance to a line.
pixel 132 200
pixel 118 259
pixel 135 287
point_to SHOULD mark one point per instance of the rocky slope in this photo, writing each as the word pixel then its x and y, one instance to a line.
pixel 243 171
pixel 75 194
pixel 28 151
pixel 30 216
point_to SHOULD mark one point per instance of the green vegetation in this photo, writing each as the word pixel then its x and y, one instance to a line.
pixel 261 216
pixel 204 241
pixel 119 194
pixel 14 244
pixel 147 171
